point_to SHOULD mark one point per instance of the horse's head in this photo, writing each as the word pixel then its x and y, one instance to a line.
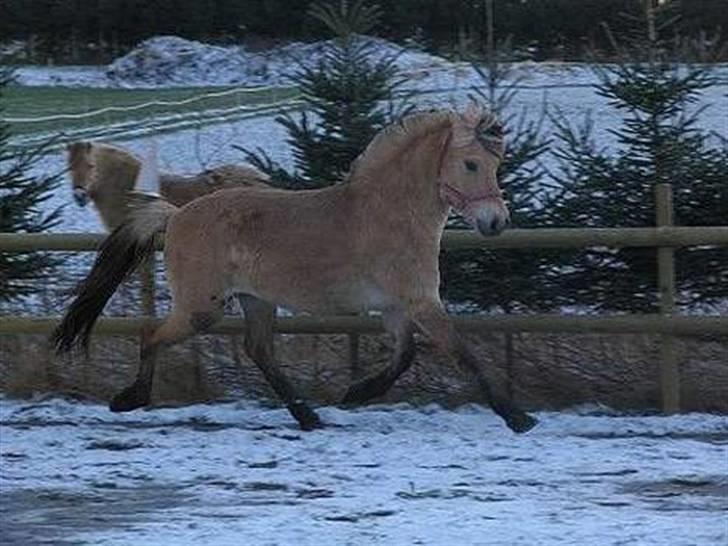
pixel 81 167
pixel 469 162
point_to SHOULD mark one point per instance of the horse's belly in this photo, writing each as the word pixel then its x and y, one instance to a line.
pixel 355 297
pixel 305 285
pixel 331 299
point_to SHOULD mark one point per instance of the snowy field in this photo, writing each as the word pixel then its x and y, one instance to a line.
pixel 230 474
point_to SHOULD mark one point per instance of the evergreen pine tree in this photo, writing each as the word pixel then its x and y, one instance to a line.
pixel 22 199
pixel 343 94
pixel 659 141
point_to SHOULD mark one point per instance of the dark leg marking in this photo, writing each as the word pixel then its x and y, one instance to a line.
pixel 516 419
pixel 378 384
pixel 436 325
pixel 259 318
pixel 139 393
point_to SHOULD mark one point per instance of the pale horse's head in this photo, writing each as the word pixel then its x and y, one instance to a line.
pixel 468 179
pixel 80 165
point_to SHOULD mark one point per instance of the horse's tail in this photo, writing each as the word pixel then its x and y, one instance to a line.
pixel 119 255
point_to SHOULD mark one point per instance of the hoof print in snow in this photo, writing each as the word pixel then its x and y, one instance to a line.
pixel 114 445
pixel 265 486
pixel 264 464
pixel 353 518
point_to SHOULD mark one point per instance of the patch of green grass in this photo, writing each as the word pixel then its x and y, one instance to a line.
pixel 39 102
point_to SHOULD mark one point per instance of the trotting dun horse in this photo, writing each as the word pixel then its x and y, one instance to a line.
pixel 105 174
pixel 369 243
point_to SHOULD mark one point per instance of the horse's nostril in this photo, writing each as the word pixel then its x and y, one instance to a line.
pixel 494 225
pixel 482 227
pixel 80 196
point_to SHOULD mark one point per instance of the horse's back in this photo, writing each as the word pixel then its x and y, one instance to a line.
pixel 180 190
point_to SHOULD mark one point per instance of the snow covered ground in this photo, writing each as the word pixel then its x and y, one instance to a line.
pixel 241 473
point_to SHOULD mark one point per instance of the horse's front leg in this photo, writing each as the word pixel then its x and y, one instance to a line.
pixel 259 318
pixel 437 326
pixel 379 383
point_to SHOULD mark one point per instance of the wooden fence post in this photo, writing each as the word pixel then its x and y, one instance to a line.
pixel 669 372
pixel 354 355
pixel 510 365
pixel 148 286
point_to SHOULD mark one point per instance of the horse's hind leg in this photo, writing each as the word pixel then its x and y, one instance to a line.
pixel 259 317
pixel 178 326
pixel 404 354
pixel 434 323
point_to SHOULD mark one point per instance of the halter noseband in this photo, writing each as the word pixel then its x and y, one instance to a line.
pixel 452 195
pixel 460 201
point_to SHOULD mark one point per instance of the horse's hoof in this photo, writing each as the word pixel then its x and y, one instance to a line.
pixel 353 396
pixel 311 424
pixel 129 399
pixel 521 422
pixel 306 417
pixel 362 391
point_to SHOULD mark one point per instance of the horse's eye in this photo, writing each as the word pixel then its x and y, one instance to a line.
pixel 472 166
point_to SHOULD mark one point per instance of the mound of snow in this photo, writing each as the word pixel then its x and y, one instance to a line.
pixel 297 54
pixel 169 60
pixel 173 61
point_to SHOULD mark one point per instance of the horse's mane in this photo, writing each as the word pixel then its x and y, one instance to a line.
pixel 396 137
pixel 120 154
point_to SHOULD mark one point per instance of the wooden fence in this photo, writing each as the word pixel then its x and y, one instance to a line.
pixel 665 238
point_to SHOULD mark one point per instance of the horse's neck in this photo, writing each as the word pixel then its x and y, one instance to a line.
pixel 405 187
pixel 115 175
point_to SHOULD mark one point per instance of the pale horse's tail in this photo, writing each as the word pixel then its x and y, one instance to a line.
pixel 119 255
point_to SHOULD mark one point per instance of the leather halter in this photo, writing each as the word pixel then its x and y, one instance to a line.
pixel 460 201
pixel 452 195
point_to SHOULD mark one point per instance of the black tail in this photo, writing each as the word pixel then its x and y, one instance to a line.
pixel 120 254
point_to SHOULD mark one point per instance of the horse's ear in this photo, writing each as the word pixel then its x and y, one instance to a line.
pixel 473 114
pixel 148 175
pixel 461 132
pixel 79 147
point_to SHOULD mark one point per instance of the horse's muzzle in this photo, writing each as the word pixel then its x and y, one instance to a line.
pixel 494 227
pixel 489 217
pixel 80 196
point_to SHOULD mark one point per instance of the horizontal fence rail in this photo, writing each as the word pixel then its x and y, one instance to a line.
pixel 673 237
pixel 710 326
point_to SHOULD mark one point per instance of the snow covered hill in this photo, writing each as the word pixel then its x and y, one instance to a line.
pixel 170 61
